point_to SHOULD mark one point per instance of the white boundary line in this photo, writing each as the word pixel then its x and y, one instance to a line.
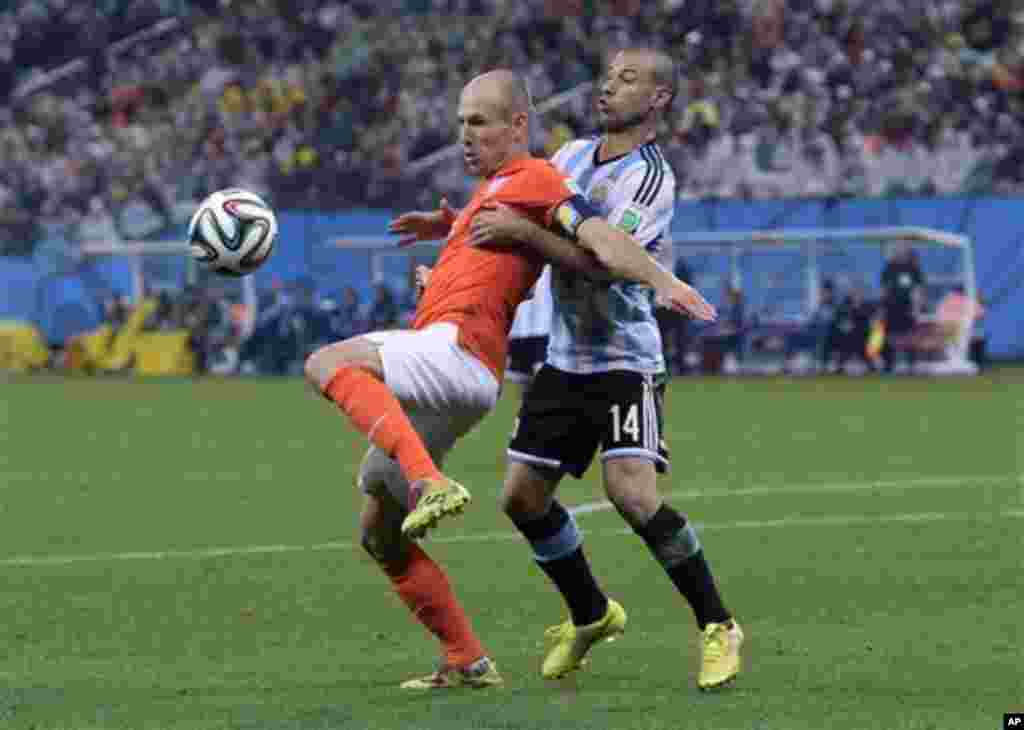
pixel 822 521
pixel 485 537
pixel 766 491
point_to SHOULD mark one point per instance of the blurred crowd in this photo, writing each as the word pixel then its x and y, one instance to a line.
pixel 849 330
pixel 295 320
pixel 227 336
pixel 909 326
pixel 324 103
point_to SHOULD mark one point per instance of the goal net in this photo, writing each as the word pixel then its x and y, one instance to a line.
pixel 130 271
pixel 779 274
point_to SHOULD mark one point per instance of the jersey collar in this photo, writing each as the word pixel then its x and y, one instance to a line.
pixel 512 166
pixel 597 149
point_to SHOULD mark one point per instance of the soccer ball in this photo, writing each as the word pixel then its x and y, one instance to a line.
pixel 232 232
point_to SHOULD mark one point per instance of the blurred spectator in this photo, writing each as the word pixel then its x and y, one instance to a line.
pixel 676 328
pixel 346 319
pixel 851 327
pixel 410 295
pixel 383 312
pixel 308 325
pixel 955 320
pixel 727 337
pixel 896 162
pixel 818 335
pixel 902 291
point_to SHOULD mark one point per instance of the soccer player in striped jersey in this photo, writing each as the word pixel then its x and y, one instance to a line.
pixel 528 338
pixel 602 384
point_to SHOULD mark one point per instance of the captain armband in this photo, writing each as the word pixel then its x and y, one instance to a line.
pixel 571 213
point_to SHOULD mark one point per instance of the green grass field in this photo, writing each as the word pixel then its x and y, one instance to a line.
pixel 179 554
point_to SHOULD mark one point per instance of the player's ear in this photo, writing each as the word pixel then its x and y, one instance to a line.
pixel 521 123
pixel 662 98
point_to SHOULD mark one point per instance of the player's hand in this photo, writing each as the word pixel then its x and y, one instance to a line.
pixel 684 298
pixel 423 225
pixel 422 278
pixel 496 224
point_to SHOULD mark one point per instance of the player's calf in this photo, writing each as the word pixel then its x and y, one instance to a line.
pixel 520 506
pixel 381 534
pixel 676 546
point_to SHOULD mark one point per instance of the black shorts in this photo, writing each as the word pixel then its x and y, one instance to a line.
pixel 525 356
pixel 899 324
pixel 565 417
pixel 899 319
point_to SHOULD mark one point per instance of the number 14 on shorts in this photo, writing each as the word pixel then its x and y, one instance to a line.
pixel 630 425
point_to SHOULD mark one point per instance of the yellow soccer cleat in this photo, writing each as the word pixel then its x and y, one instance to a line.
pixel 720 658
pixel 437 498
pixel 478 675
pixel 573 642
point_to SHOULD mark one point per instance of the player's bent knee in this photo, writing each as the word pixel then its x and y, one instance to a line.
pixel 523 500
pixel 623 473
pixel 321 367
pixel 386 551
pixel 520 507
pixel 631 486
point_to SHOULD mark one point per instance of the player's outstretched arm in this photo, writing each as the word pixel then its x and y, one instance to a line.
pixel 625 259
pixel 497 225
pixel 423 225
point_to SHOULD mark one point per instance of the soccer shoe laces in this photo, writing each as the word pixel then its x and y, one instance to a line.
pixel 714 642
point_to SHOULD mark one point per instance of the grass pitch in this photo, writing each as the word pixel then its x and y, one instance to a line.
pixel 180 555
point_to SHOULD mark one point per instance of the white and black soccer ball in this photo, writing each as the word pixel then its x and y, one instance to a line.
pixel 232 232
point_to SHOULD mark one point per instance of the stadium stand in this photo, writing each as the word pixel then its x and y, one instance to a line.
pixel 323 104
pixel 117 105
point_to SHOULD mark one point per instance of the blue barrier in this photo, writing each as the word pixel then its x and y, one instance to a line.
pixel 35 289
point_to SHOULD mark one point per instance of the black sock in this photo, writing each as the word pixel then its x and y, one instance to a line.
pixel 558 549
pixel 675 545
pixel 693 579
pixel 571 574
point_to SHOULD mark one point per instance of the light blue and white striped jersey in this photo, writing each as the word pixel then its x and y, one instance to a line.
pixel 533 315
pixel 597 327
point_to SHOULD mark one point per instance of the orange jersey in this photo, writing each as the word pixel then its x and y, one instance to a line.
pixel 479 289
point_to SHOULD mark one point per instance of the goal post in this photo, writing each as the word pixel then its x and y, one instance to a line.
pixel 784 268
pixel 780 271
pixel 387 260
pixel 167 266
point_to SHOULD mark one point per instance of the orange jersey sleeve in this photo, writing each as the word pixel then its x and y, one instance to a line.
pixel 479 289
pixel 536 192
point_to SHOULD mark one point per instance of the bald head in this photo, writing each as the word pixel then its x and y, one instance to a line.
pixel 505 89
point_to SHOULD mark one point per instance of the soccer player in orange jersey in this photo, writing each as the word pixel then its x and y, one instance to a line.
pixel 414 393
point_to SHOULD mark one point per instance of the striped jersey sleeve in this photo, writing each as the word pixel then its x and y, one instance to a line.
pixel 561 157
pixel 643 200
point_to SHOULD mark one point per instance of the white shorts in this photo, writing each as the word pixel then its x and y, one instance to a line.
pixel 444 390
